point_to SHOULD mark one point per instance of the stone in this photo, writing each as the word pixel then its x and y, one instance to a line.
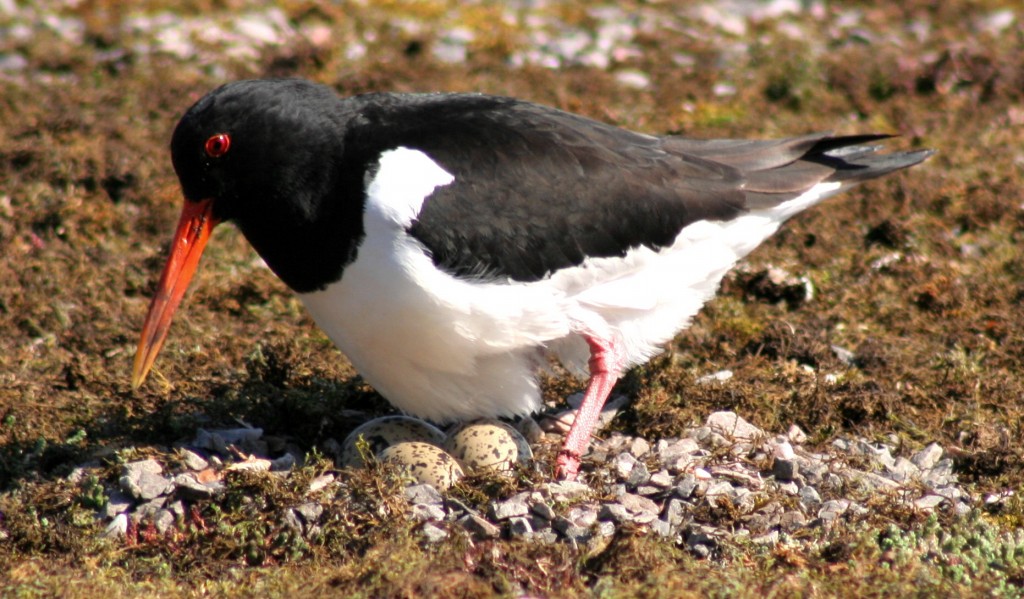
pixel 661 479
pixel 479 527
pixel 117 528
pixel 740 476
pixel 426 511
pixel 189 486
pixel 548 536
pixel 784 470
pixel 561 422
pixel 813 471
pixel 880 453
pixel 781 449
pixel 251 464
pixel 117 503
pixel 939 475
pixel 142 482
pixel 516 505
pixel 571 530
pixel 221 440
pixel 530 430
pixel 719 492
pixel 661 528
pixel 615 512
pixel 675 512
pixel 788 487
pixel 310 512
pixel 680 448
pixel 745 500
pixel 623 465
pixel 177 508
pixel 543 510
pixel 639 476
pixel 680 464
pixel 641 509
pixel 163 520
pixel 847 357
pixel 834 508
pixel 583 515
pixel 648 490
pixel 792 521
pixel 843 445
pixel 434 533
pixel 715 377
pixel 768 539
pixel 639 447
pixel 927 458
pixel 796 434
pixel 565 490
pixel 142 466
pixel 685 487
pixel 732 426
pixel 700 543
pixel 519 527
pixel 193 460
pixel 149 508
pixel 321 482
pixel 903 470
pixel 605 529
pixel 284 463
pixel 928 502
pixel 457 507
pixel 809 496
pixel 834 482
pixel 758 523
pixel 539 524
pixel 423 493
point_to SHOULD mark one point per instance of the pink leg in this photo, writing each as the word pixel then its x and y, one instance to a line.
pixel 605 364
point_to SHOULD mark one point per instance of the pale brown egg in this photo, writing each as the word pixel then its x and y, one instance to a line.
pixel 381 433
pixel 424 462
pixel 487 444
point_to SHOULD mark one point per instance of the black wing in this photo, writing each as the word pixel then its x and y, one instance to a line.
pixel 537 189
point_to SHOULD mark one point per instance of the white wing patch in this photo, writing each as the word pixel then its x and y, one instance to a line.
pixel 403 181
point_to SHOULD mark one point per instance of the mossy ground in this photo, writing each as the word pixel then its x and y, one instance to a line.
pixel 920 275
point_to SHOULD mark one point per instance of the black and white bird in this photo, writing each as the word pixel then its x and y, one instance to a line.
pixel 449 243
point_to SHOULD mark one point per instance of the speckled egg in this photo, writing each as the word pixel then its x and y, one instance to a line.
pixel 487 445
pixel 424 462
pixel 380 433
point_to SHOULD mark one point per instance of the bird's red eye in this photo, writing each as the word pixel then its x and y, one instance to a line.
pixel 217 145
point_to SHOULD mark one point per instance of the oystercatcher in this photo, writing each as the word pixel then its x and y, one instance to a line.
pixel 447 243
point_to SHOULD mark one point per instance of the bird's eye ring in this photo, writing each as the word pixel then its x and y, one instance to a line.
pixel 217 145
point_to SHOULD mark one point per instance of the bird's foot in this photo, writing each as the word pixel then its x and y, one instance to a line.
pixel 567 465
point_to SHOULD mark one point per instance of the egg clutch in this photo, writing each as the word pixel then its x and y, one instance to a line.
pixel 428 455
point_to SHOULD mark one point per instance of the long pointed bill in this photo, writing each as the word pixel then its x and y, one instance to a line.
pixel 194 227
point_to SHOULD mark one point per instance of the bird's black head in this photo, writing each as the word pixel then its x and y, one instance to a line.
pixel 258 145
pixel 268 155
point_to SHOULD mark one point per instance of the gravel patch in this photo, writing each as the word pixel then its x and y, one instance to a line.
pixel 771 486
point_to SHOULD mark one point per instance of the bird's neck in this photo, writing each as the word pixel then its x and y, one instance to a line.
pixel 308 241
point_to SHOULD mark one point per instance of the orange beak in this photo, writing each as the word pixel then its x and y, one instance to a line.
pixel 194 228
